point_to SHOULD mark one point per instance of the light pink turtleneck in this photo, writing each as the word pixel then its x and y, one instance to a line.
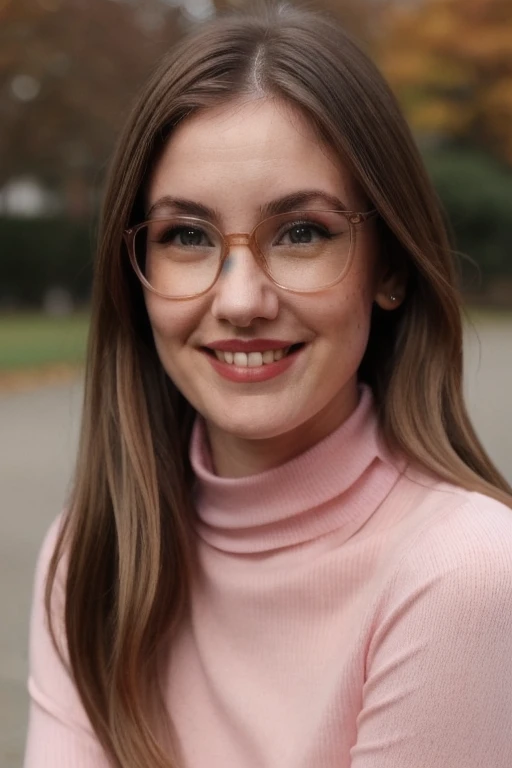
pixel 348 612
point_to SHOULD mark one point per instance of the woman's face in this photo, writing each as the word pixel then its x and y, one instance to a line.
pixel 235 160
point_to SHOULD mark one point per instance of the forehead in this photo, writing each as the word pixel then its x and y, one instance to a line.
pixel 243 153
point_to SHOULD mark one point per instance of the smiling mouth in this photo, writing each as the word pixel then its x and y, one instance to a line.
pixel 253 359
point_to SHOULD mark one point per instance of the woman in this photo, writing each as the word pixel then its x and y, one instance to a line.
pixel 285 546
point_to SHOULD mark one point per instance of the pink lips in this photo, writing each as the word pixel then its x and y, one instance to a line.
pixel 243 374
pixel 254 345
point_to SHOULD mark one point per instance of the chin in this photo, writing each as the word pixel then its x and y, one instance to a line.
pixel 254 423
pixel 250 429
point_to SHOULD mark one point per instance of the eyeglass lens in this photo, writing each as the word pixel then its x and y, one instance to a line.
pixel 180 256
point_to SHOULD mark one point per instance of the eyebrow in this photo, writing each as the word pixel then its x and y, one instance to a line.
pixel 292 202
pixel 180 205
pixel 300 200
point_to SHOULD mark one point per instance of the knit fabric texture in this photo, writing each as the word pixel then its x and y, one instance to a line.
pixel 348 611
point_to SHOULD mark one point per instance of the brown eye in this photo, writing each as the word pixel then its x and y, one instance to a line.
pixel 191 237
pixel 303 234
pixel 188 237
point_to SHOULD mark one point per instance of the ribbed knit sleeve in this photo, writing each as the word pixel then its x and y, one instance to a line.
pixel 59 733
pixel 438 690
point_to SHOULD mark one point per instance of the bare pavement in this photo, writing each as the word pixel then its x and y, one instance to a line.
pixel 38 434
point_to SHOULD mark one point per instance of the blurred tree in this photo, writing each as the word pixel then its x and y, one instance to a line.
pixel 476 193
pixel 359 17
pixel 68 70
pixel 450 62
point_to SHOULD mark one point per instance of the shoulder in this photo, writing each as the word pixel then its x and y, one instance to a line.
pixel 438 678
pixel 39 618
pixel 461 522
pixel 422 505
pixel 50 539
pixel 46 552
pixel 45 656
pixel 457 547
pixel 50 683
pixel 448 582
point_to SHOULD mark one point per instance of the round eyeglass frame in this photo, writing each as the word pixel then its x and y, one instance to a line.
pixel 247 239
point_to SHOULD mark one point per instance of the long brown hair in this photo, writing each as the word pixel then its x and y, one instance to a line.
pixel 128 535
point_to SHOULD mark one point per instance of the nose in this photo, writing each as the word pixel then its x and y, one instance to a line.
pixel 243 292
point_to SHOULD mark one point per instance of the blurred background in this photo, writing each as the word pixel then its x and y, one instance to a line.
pixel 68 72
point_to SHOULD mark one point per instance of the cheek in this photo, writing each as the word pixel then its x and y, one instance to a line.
pixel 346 313
pixel 172 324
pixel 358 297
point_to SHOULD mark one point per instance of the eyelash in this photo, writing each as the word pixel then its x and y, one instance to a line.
pixel 315 225
pixel 169 234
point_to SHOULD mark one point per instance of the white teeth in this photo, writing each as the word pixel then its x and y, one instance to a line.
pixel 253 359
pixel 241 359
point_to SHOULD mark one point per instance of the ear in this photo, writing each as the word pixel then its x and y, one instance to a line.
pixel 391 289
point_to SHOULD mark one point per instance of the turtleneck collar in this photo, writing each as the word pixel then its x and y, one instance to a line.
pixel 336 484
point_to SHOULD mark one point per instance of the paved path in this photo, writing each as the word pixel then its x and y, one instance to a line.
pixel 37 441
pixel 488 385
pixel 38 433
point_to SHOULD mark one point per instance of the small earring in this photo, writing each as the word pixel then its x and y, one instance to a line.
pixel 392 297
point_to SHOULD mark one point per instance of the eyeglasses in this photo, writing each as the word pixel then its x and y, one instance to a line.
pixel 181 257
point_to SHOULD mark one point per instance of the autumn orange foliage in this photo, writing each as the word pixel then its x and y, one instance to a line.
pixel 450 62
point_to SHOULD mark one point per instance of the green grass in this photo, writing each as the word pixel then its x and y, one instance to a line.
pixel 36 340
pixel 489 314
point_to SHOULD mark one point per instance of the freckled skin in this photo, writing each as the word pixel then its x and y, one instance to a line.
pixel 234 159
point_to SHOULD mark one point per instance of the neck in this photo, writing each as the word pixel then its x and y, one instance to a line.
pixel 235 456
pixel 335 484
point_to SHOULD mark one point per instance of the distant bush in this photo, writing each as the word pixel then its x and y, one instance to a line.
pixel 38 255
pixel 476 193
